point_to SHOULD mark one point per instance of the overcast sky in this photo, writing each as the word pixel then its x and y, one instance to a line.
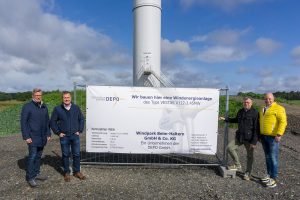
pixel 249 45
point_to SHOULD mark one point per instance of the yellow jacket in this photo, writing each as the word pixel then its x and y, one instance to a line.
pixel 274 121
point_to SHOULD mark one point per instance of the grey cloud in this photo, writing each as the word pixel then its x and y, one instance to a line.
pixel 222 36
pixel 284 83
pixel 39 47
pixel 243 70
pixel 292 83
pixel 171 49
pixel 265 73
pixel 295 54
pixel 267 45
pixel 123 75
pixel 221 54
pixel 226 5
pixel 185 78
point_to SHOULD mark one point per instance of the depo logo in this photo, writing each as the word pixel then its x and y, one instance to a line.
pixel 112 98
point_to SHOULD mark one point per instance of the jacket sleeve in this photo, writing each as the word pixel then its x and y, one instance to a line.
pixel 53 122
pixel 80 120
pixel 233 120
pixel 25 114
pixel 255 129
pixel 282 121
pixel 48 123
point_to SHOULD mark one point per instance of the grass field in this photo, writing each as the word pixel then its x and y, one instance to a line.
pixel 7 104
pixel 294 102
pixel 10 110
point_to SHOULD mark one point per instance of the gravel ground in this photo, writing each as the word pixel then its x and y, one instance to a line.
pixel 147 182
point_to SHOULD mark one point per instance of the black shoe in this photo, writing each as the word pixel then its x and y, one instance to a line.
pixel 32 183
pixel 41 177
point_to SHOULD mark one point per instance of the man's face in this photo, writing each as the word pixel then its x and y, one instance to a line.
pixel 269 99
pixel 247 104
pixel 37 97
pixel 67 99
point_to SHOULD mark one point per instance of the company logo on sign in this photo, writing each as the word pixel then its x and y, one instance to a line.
pixel 112 98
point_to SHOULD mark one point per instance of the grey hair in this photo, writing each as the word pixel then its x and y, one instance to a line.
pixel 246 98
pixel 35 90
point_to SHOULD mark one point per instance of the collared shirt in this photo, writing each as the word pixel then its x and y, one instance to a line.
pixel 266 108
pixel 67 107
pixel 38 103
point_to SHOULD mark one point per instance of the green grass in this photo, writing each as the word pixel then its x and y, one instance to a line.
pixel 10 110
pixel 294 102
pixel 10 120
pixel 7 104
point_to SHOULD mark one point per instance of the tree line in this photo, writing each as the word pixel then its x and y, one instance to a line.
pixel 24 96
pixel 292 95
pixel 19 96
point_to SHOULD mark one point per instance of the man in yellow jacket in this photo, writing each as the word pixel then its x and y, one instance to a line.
pixel 273 121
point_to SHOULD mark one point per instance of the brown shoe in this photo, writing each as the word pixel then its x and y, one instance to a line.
pixel 79 175
pixel 67 177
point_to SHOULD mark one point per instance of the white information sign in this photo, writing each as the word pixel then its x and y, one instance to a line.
pixel 151 120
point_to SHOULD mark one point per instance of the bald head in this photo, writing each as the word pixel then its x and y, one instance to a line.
pixel 269 99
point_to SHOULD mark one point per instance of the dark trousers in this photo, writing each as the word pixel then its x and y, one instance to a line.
pixel 70 143
pixel 33 162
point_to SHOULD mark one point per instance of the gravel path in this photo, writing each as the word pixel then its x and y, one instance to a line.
pixel 146 182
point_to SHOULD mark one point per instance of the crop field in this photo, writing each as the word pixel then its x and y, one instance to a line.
pixel 294 102
pixel 10 110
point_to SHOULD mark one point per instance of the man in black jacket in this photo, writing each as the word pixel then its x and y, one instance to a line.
pixel 67 122
pixel 246 134
pixel 36 132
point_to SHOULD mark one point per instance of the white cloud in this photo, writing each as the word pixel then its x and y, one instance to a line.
pixel 292 83
pixel 221 54
pixel 295 53
pixel 190 78
pixel 178 47
pixel 40 48
pixel 274 84
pixel 264 72
pixel 223 4
pixel 243 70
pixel 267 45
pixel 222 36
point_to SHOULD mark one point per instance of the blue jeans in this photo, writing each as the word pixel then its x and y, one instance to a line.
pixel 33 162
pixel 70 143
pixel 271 149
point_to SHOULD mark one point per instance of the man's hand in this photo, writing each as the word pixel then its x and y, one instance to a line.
pixel 252 146
pixel 28 141
pixel 278 138
pixel 77 133
pixel 62 135
pixel 48 138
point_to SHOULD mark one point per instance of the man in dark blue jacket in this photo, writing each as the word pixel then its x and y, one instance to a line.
pixel 67 122
pixel 36 132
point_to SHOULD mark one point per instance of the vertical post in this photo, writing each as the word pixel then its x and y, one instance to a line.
pixel 225 155
pixel 74 92
pixel 146 39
